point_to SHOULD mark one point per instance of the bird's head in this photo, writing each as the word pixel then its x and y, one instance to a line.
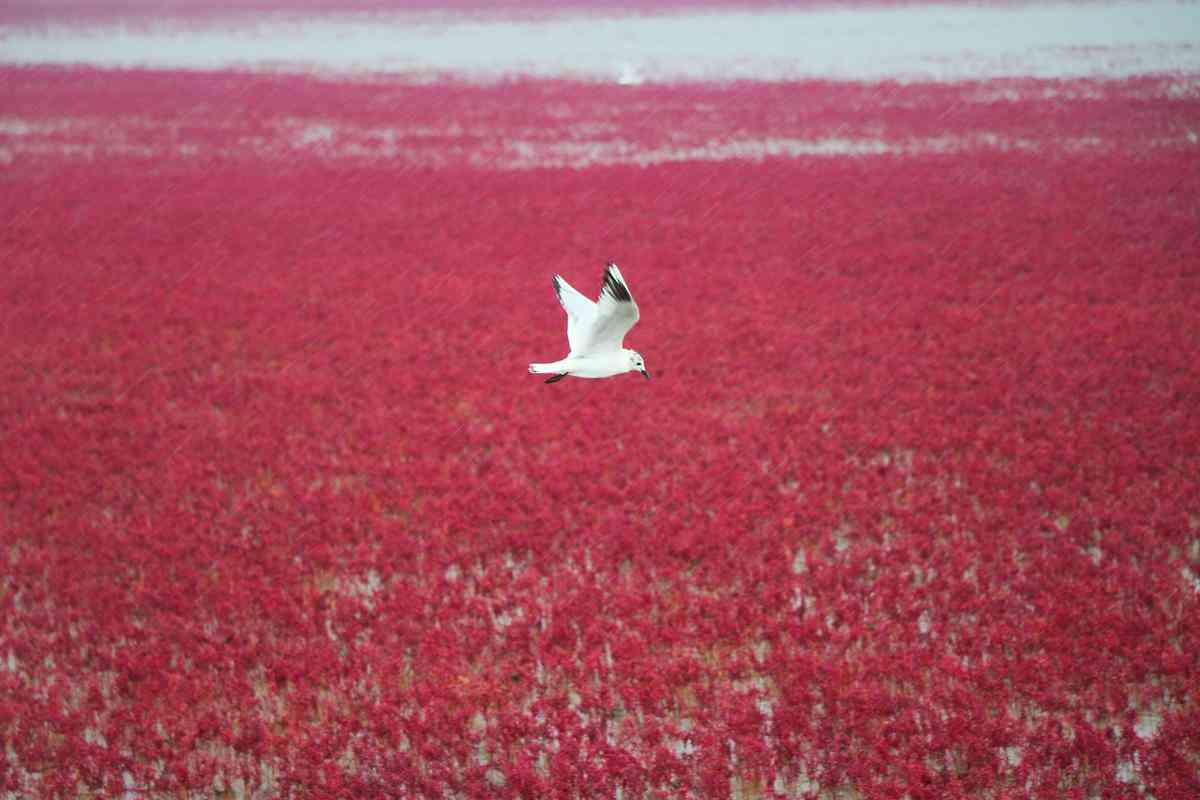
pixel 637 363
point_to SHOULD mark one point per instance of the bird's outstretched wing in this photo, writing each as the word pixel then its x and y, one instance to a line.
pixel 581 313
pixel 615 314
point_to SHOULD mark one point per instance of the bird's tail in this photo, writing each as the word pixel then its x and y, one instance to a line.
pixel 543 369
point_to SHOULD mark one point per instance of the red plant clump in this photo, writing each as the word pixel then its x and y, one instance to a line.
pixel 910 507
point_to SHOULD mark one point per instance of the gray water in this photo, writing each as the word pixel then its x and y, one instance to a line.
pixel 938 42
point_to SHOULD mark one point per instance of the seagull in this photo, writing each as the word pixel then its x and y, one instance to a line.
pixel 595 331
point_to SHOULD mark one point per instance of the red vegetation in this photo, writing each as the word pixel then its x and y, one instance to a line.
pixel 910 508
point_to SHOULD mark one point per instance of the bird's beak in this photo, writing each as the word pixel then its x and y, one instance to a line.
pixel 646 374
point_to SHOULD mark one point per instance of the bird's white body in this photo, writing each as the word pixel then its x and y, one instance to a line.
pixel 601 365
pixel 595 331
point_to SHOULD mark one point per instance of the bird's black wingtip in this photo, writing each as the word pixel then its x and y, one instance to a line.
pixel 615 286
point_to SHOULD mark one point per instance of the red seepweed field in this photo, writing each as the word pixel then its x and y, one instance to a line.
pixel 910 508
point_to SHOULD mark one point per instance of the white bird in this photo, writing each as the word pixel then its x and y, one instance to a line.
pixel 595 331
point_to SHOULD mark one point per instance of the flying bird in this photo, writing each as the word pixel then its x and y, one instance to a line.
pixel 595 331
